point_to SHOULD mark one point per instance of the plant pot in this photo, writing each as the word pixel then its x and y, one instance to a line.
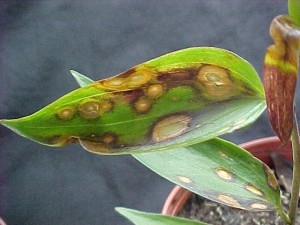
pixel 259 148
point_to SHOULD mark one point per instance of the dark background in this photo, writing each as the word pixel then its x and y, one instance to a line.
pixel 40 41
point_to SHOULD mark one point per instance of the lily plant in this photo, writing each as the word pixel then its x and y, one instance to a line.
pixel 168 113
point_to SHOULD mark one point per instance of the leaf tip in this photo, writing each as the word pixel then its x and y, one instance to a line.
pixel 81 79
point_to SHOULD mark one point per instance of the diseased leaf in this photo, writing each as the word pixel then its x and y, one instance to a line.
pixel 280 75
pixel 81 79
pixel 143 218
pixel 220 171
pixel 178 99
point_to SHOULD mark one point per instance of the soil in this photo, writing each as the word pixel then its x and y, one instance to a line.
pixel 199 208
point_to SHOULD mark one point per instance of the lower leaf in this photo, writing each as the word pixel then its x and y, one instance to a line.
pixel 143 218
pixel 220 171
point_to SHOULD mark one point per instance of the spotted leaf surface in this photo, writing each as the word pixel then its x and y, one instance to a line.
pixel 143 218
pixel 220 171
pixel 178 99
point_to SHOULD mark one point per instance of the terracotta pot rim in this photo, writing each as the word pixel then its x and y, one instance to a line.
pixel 178 195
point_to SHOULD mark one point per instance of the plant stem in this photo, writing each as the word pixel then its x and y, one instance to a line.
pixel 296 173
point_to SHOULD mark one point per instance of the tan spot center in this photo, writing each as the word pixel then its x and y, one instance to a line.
pixel 114 82
pixel 170 127
pixel 226 175
pixel 155 90
pixel 108 138
pixel 259 206
pixel 89 110
pixel 184 179
pixel 229 201
pixel 216 81
pixel 138 78
pixel 142 105
pixel 254 190
pixel 65 114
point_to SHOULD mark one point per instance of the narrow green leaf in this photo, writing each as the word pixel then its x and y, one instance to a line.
pixel 178 99
pixel 81 79
pixel 220 171
pixel 143 218
pixel 294 10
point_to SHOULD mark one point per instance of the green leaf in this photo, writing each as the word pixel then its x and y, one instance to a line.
pixel 294 10
pixel 178 99
pixel 220 171
pixel 143 218
pixel 81 79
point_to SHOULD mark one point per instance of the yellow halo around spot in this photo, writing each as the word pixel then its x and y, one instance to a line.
pixel 114 82
pixel 138 78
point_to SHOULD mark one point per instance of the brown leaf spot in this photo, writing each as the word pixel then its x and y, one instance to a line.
pixel 170 127
pixel 271 178
pixel 65 114
pixel 229 201
pixel 216 81
pixel 61 140
pixel 108 138
pixel 89 110
pixel 155 91
pixel 142 105
pixel 96 147
pixel 106 106
pixel 139 78
pixel 131 78
pixel 114 82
